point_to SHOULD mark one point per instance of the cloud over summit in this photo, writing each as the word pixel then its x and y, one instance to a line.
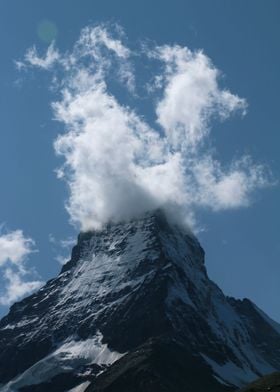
pixel 116 163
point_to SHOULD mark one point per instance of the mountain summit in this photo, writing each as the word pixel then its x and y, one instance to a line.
pixel 134 310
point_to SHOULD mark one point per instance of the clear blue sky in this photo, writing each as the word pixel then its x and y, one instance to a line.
pixel 241 37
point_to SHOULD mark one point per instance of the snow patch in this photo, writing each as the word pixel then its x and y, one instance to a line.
pixel 221 381
pixel 20 324
pixel 229 372
pixel 66 358
pixel 80 388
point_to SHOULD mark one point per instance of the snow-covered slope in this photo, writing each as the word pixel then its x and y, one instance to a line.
pixel 125 286
pixel 71 355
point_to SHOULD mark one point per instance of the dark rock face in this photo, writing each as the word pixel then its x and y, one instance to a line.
pixel 159 365
pixel 134 310
pixel 264 384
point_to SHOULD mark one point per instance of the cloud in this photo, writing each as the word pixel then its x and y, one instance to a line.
pixel 14 250
pixel 62 248
pixel 62 259
pixel 191 96
pixel 92 40
pixel 222 190
pixel 116 163
pixel 16 287
pixel 14 247
pixel 32 58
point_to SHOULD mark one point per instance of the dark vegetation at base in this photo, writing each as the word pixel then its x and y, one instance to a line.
pixel 265 384
pixel 158 366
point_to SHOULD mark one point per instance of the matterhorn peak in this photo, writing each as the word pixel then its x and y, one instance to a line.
pixel 134 310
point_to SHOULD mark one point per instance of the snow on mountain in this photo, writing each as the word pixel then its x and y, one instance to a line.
pixel 129 292
pixel 68 356
pixel 80 388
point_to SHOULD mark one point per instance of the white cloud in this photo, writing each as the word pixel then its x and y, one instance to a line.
pixel 118 165
pixel 68 242
pixel 14 247
pixel 92 39
pixel 62 259
pixel 62 248
pixel 221 190
pixel 104 51
pixel 32 58
pixel 96 44
pixel 16 287
pixel 191 97
pixel 14 250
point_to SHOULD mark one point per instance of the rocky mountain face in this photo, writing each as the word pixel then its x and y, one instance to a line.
pixel 270 382
pixel 134 310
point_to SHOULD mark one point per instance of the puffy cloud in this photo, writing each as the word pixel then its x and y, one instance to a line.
pixel 103 151
pixel 16 287
pixel 118 165
pixel 191 96
pixel 221 190
pixel 14 247
pixel 14 250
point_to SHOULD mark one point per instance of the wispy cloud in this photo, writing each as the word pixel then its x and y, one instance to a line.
pixel 14 250
pixel 116 163
pixel 17 287
pixel 32 58
pixel 62 248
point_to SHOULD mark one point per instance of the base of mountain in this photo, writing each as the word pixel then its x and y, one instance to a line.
pixel 270 382
pixel 158 367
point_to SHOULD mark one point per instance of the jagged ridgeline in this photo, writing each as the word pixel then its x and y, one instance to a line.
pixel 134 310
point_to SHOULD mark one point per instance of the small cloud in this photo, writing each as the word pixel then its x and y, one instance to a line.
pixel 15 247
pixel 68 242
pixel 14 251
pixel 62 247
pixel 16 287
pixel 46 62
pixel 52 239
pixel 20 65
pixel 62 259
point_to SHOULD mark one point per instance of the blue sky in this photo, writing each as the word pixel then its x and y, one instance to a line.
pixel 241 38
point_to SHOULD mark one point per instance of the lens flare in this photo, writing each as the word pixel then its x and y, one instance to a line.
pixel 47 31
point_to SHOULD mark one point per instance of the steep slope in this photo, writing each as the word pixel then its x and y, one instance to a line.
pixel 160 365
pixel 134 304
pixel 270 382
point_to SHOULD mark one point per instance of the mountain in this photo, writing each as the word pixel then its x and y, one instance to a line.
pixel 270 382
pixel 134 310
